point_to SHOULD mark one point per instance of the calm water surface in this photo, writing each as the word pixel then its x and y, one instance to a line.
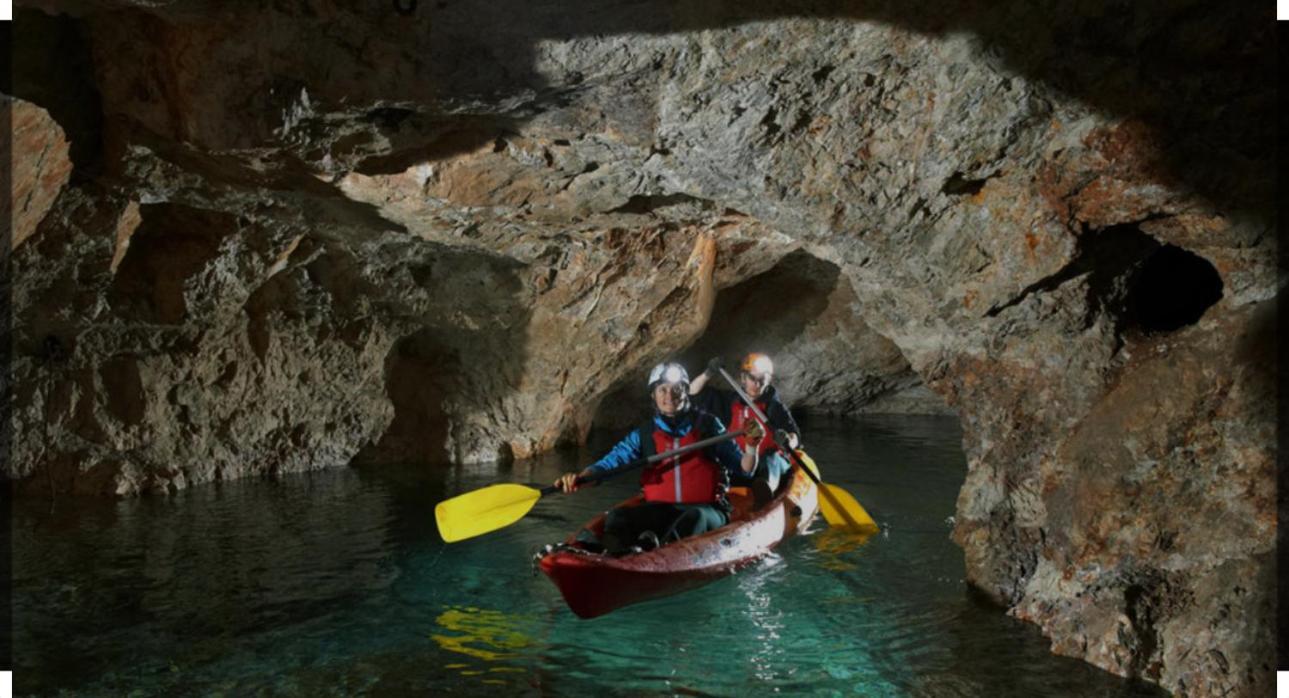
pixel 337 583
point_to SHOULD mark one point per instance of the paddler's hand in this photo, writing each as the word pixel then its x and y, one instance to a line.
pixel 786 439
pixel 568 482
pixel 753 433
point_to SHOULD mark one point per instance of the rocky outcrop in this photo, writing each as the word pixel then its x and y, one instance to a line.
pixel 236 346
pixel 40 170
pixel 314 235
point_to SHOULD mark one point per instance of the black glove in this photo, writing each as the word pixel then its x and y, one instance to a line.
pixel 714 366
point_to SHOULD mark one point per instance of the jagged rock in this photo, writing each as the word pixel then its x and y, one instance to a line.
pixel 360 239
pixel 41 167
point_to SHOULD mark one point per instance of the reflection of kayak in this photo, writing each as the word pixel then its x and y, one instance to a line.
pixel 593 584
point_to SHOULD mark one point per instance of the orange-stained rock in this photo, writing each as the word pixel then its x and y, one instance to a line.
pixel 41 168
pixel 125 227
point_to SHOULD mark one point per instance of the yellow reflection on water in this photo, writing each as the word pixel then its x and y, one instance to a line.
pixel 836 543
pixel 483 634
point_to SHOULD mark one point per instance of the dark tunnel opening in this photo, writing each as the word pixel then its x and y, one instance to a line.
pixel 1172 289
pixel 1146 287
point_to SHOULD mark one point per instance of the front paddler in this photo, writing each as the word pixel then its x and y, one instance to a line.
pixel 685 495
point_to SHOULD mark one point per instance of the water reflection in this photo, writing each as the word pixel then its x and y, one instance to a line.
pixel 835 546
pixel 766 654
pixel 484 634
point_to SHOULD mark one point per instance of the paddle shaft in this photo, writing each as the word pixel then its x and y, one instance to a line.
pixel 766 421
pixel 650 460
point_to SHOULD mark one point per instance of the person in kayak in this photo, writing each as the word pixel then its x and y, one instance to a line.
pixel 684 496
pixel 756 370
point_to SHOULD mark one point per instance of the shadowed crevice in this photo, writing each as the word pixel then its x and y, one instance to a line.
pixel 418 376
pixel 1172 289
pixel 56 72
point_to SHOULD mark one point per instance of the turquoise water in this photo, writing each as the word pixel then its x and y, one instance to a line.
pixel 336 583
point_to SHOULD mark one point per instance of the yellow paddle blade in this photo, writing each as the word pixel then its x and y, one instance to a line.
pixel 488 509
pixel 841 510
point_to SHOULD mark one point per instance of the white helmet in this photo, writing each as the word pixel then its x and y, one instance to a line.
pixel 668 372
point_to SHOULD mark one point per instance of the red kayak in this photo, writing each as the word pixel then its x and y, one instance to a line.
pixel 594 584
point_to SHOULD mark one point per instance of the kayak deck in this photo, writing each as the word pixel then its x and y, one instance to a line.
pixel 594 584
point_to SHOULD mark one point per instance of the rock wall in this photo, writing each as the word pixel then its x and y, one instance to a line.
pixel 310 235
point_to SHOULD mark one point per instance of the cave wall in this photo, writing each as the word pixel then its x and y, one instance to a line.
pixel 308 235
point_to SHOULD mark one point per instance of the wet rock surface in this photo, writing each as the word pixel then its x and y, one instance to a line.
pixel 305 236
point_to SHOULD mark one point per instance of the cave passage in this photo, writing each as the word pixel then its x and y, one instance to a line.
pixel 804 314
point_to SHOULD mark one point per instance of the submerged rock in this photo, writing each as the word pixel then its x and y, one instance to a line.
pixel 305 236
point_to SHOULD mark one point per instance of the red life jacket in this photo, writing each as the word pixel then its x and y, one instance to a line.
pixel 739 415
pixel 692 478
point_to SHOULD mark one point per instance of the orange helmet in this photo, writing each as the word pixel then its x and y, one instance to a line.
pixel 757 364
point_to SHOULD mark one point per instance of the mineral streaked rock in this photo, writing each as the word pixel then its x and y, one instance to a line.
pixel 992 184
pixel 125 227
pixel 41 167
pixel 1167 577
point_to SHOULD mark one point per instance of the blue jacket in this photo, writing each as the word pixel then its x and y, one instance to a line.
pixel 726 453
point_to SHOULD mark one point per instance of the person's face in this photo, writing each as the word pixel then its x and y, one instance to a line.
pixel 668 397
pixel 754 385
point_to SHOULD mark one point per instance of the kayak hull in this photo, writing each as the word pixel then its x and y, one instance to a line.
pixel 593 585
